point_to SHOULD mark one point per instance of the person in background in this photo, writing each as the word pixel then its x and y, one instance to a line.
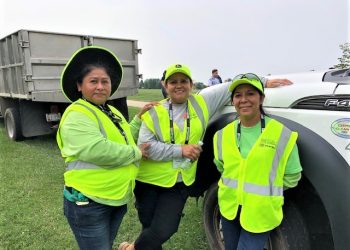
pixel 174 129
pixel 98 146
pixel 258 158
pixel 215 78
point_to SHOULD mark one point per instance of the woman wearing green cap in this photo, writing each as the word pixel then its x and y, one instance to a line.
pixel 258 158
pixel 98 146
pixel 174 129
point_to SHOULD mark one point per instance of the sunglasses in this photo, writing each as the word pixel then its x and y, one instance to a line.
pixel 249 76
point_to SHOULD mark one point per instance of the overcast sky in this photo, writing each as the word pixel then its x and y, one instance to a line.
pixel 235 36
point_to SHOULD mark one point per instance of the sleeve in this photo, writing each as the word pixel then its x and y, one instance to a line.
pixel 293 170
pixel 216 97
pixel 291 180
pixel 158 151
pixel 82 139
pixel 293 164
pixel 135 125
pixel 219 164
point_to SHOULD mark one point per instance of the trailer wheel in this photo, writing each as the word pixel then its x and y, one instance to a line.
pixel 292 234
pixel 12 122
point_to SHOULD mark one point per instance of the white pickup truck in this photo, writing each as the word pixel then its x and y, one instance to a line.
pixel 317 211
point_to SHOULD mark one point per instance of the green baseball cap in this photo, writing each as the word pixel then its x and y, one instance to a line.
pixel 248 78
pixel 177 68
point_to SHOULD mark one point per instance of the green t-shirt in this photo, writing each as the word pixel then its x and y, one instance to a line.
pixel 249 136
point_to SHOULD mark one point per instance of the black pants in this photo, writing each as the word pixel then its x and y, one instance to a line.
pixel 160 211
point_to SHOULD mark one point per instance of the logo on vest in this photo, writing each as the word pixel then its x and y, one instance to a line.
pixel 268 143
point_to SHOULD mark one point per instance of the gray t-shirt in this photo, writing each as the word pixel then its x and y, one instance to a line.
pixel 216 97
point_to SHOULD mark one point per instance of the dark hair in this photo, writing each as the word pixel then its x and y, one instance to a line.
pixel 87 68
pixel 163 76
pixel 262 111
pixel 214 70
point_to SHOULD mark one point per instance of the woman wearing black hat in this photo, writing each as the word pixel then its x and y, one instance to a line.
pixel 98 146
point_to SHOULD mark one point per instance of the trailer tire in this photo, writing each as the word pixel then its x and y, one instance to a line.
pixel 292 234
pixel 12 122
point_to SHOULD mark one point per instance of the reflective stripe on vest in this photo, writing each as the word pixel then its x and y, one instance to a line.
pixel 269 190
pixel 255 182
pixel 165 173
pixel 197 109
pixel 156 124
pixel 78 165
pixel 103 132
pixel 110 182
pixel 219 144
pixel 199 112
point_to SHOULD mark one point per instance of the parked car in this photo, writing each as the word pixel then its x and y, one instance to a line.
pixel 317 211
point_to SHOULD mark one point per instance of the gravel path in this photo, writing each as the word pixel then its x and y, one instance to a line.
pixel 137 104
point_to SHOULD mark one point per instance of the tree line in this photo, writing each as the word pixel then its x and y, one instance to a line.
pixel 154 83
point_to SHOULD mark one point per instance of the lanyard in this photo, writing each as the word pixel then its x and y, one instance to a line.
pixel 113 117
pixel 262 122
pixel 171 118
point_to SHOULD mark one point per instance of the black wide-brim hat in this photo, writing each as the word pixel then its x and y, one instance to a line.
pixel 82 57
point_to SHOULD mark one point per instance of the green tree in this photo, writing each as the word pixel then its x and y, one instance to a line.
pixel 152 83
pixel 345 58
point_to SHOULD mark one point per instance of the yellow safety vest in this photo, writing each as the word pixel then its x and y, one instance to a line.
pixel 256 182
pixel 162 173
pixel 90 179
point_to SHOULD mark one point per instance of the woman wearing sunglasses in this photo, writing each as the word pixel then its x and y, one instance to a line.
pixel 258 158
pixel 174 129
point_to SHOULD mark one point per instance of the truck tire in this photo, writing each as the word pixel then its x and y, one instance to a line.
pixel 211 219
pixel 292 234
pixel 12 122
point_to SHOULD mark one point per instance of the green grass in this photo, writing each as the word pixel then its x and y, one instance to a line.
pixel 147 95
pixel 132 112
pixel 31 214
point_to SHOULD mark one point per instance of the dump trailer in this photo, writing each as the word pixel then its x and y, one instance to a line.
pixel 31 62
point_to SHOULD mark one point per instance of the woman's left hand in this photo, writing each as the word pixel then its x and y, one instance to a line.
pixel 272 83
pixel 147 107
pixel 144 149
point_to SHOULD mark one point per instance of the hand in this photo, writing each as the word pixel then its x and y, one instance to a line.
pixel 272 83
pixel 191 151
pixel 144 149
pixel 147 107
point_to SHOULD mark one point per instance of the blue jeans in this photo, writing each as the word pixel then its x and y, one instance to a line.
pixel 94 225
pixel 235 237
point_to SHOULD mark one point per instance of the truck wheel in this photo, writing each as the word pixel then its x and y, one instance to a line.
pixel 12 122
pixel 292 234
pixel 211 219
